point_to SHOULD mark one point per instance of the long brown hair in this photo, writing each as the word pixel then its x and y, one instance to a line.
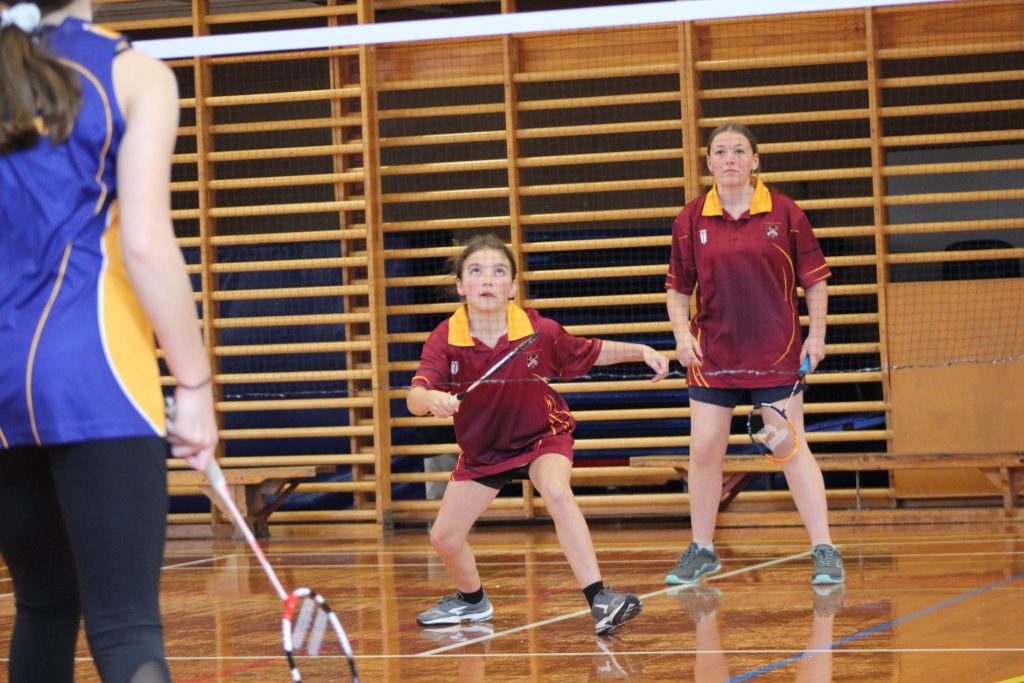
pixel 38 93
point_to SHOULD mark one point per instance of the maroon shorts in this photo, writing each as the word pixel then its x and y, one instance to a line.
pixel 494 474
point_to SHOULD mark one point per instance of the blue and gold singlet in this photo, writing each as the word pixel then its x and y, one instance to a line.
pixel 77 356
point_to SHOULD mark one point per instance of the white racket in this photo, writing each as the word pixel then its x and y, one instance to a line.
pixel 306 614
pixel 494 368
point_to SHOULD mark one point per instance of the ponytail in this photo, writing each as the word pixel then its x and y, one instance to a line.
pixel 39 95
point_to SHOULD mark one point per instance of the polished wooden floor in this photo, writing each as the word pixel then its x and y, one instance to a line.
pixel 929 604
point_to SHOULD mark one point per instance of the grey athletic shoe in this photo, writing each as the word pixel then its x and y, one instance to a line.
pixel 694 563
pixel 828 565
pixel 452 609
pixel 611 610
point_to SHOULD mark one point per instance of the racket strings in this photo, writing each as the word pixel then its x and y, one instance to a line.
pixel 766 435
pixel 312 630
pixel 309 628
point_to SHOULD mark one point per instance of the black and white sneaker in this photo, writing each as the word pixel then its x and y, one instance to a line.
pixel 611 610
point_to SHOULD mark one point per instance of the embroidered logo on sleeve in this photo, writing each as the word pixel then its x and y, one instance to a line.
pixel 703 236
pixel 532 360
pixel 772 230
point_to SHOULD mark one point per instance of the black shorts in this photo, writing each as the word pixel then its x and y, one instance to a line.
pixel 498 481
pixel 730 398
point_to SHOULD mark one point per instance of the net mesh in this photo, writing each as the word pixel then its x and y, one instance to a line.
pixel 320 190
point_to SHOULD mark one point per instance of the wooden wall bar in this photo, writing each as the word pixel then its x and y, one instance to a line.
pixel 317 195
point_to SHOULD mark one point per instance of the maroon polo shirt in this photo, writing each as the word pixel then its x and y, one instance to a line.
pixel 501 422
pixel 742 274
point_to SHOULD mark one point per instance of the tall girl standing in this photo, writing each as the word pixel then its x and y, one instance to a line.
pixel 740 251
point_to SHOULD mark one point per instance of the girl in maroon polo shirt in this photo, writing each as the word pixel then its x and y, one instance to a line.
pixel 740 252
pixel 515 426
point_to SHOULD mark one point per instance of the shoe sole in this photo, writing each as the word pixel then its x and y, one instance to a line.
pixel 826 580
pixel 457 619
pixel 629 608
pixel 674 580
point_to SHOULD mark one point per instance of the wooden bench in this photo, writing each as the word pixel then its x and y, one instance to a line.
pixel 258 491
pixel 1005 470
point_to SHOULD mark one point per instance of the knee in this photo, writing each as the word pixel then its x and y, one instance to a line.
pixel 557 495
pixel 55 608
pixel 706 454
pixel 445 541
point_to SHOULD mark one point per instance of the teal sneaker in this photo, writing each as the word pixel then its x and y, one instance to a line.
pixel 828 565
pixel 694 563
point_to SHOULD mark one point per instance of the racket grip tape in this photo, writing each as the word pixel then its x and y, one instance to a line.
pixel 805 367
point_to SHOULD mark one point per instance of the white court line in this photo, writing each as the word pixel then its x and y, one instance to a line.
pixel 205 560
pixel 669 545
pixel 590 653
pixel 582 612
pixel 180 565
pixel 496 655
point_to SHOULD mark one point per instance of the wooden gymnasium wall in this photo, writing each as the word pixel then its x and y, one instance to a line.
pixel 316 194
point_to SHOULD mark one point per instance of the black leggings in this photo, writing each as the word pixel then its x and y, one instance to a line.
pixel 82 529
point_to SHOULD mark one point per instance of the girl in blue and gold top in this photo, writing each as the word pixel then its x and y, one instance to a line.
pixel 90 271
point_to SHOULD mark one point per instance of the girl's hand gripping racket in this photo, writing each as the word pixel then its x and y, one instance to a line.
pixel 306 614
pixel 457 398
pixel 770 429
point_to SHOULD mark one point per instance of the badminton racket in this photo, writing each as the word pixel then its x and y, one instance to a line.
pixel 306 615
pixel 770 429
pixel 454 400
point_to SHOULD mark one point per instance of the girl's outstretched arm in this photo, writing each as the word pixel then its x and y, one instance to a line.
pixel 613 352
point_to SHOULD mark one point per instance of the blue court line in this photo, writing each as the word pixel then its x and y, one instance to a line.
pixel 874 629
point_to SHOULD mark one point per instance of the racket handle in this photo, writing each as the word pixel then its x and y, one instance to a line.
pixel 215 475
pixel 805 367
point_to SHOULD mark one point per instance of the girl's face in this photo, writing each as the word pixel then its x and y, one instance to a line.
pixel 731 159
pixel 486 280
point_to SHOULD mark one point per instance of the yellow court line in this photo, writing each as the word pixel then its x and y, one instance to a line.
pixel 1018 679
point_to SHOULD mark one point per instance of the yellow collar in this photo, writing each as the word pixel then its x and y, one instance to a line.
pixel 458 326
pixel 761 202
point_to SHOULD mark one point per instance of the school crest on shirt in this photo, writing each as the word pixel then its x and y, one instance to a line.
pixel 703 234
pixel 772 230
pixel 532 359
pixel 453 367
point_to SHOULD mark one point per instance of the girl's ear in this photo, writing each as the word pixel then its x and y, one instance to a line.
pixel 512 292
pixel 458 287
